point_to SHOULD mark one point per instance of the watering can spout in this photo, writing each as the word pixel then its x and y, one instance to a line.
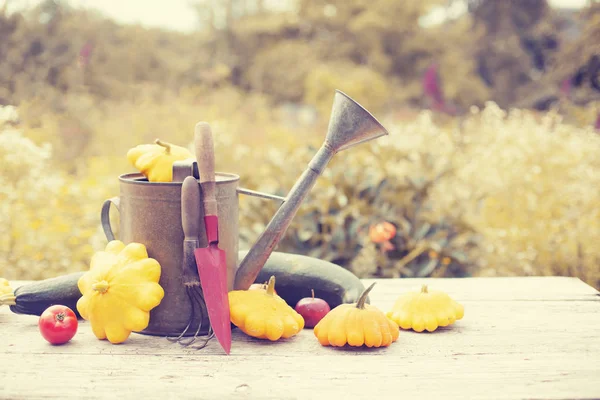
pixel 349 125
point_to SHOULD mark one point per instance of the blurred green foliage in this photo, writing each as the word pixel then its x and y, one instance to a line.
pixel 478 194
pixel 508 52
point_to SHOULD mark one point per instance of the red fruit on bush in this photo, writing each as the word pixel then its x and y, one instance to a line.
pixel 58 324
pixel 382 232
pixel 312 310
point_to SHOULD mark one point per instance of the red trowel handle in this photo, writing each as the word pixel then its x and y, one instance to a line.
pixel 205 156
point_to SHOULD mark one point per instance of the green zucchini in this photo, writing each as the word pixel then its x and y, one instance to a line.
pixel 296 274
pixel 33 298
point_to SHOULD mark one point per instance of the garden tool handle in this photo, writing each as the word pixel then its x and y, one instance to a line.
pixel 205 156
pixel 190 208
pixel 259 253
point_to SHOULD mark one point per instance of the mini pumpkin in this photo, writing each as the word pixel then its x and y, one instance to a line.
pixel 263 314
pixel 5 286
pixel 119 290
pixel 357 324
pixel 155 161
pixel 425 310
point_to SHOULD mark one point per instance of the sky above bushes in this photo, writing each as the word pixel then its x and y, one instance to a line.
pixel 177 14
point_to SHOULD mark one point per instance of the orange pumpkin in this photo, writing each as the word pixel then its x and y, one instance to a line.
pixel 357 325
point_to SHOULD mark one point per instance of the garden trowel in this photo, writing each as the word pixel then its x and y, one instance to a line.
pixel 211 260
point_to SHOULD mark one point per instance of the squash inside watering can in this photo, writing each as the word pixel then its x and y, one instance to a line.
pixel 155 161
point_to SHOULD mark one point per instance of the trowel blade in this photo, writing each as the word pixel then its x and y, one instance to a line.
pixel 212 269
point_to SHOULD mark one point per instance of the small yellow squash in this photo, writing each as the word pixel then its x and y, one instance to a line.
pixel 119 290
pixel 357 325
pixel 7 295
pixel 263 314
pixel 155 161
pixel 425 310
pixel 5 287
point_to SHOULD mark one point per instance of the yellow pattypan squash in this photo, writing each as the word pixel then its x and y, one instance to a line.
pixel 263 314
pixel 356 324
pixel 119 290
pixel 155 161
pixel 7 295
pixel 426 309
pixel 5 287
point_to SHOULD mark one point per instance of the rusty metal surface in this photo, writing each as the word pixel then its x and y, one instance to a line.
pixel 150 213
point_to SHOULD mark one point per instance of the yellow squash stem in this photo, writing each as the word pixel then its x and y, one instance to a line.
pixel 166 145
pixel 360 304
pixel 424 289
pixel 8 299
pixel 101 286
pixel 271 285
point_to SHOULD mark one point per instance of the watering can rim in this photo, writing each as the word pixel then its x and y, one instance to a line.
pixel 132 178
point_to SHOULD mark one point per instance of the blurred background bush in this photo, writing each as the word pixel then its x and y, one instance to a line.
pixel 493 106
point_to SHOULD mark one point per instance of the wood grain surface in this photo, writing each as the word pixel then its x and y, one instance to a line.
pixel 521 338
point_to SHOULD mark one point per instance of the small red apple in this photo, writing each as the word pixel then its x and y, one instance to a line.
pixel 312 309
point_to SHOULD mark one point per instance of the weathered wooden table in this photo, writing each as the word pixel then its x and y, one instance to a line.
pixel 525 338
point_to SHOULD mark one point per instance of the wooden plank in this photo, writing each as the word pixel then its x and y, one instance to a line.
pixel 512 327
pixel 546 288
pixel 361 376
pixel 511 344
pixel 535 323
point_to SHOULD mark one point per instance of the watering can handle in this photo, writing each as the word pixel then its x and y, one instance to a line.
pixel 105 217
pixel 260 194
pixel 181 169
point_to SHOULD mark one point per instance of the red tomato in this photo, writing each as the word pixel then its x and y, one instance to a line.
pixel 58 324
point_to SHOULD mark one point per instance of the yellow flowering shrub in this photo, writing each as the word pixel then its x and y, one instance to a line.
pixel 490 193
pixel 48 219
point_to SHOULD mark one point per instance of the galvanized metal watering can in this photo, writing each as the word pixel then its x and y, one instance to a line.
pixel 150 213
